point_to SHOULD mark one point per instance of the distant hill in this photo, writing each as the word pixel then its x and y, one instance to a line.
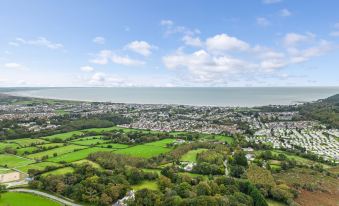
pixel 325 110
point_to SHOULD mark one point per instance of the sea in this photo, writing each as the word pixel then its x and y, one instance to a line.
pixel 198 96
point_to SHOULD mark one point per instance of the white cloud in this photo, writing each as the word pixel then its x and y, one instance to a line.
pixel 87 69
pixel 99 40
pixel 13 65
pixel 171 28
pixel 140 47
pixel 104 56
pixel 125 60
pixel 40 41
pixel 166 22
pixel 271 1
pixel 293 39
pixel 102 79
pixel 263 22
pixel 302 55
pixel 224 42
pixel 285 13
pixel 192 41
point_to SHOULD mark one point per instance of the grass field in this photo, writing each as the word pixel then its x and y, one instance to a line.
pixel 161 143
pixel 223 138
pixel 114 146
pixel 3 145
pixel 143 151
pixel 88 142
pixel 22 151
pixel 61 171
pixel 274 203
pixel 151 185
pixel 25 142
pixel 63 136
pixel 152 171
pixel 59 151
pixel 191 156
pixel 37 166
pixel 50 145
pixel 13 161
pixel 20 199
pixel 78 155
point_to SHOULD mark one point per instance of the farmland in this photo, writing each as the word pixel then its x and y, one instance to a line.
pixel 191 156
pixel 145 151
pixel 16 199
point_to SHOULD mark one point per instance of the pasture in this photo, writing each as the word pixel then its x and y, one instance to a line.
pixel 144 151
pixel 114 146
pixel 191 156
pixel 160 143
pixel 20 199
pixel 12 161
pixel 37 166
pixel 77 155
pixel 61 171
pixel 58 151
pixel 25 142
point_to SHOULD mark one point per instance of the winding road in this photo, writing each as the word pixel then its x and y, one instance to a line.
pixel 52 197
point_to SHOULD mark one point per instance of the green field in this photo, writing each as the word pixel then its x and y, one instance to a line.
pixel 22 151
pixel 152 171
pixel 25 142
pixel 13 161
pixel 59 151
pixel 151 185
pixel 50 145
pixel 78 155
pixel 25 199
pixel 3 145
pixel 63 136
pixel 37 166
pixel 191 156
pixel 223 138
pixel 61 171
pixel 88 142
pixel 143 151
pixel 114 146
pixel 161 143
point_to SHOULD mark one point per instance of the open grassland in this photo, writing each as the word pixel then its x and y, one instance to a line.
pixel 37 166
pixel 25 199
pixel 78 155
pixel 151 185
pixel 160 143
pixel 25 142
pixel 58 151
pixel 191 156
pixel 143 151
pixel 12 161
pixel 61 171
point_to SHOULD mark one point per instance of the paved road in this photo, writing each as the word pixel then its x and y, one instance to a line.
pixel 63 201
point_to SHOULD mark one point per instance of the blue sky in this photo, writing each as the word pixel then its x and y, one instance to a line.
pixel 169 43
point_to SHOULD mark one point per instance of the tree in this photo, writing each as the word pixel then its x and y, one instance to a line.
pixel 146 197
pixel 203 189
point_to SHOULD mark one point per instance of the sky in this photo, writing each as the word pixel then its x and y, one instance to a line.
pixel 173 43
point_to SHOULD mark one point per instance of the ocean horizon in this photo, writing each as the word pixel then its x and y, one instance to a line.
pixel 196 96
